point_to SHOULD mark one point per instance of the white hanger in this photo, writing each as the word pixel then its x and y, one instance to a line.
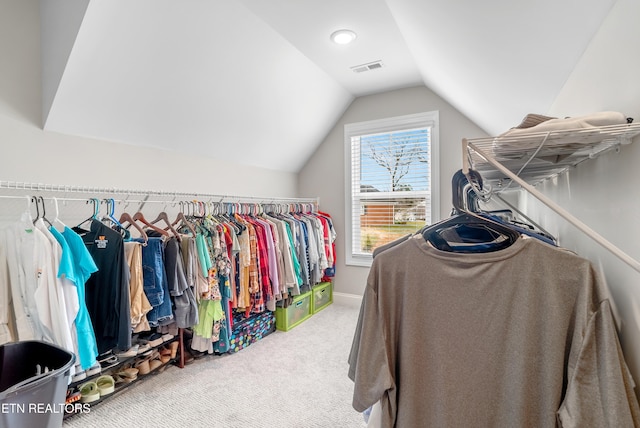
pixel 28 210
pixel 56 219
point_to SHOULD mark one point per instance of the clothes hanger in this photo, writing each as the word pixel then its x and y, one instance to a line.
pixel 469 233
pixel 505 216
pixel 227 211
pixel 181 220
pixel 56 219
pixel 209 216
pixel 35 199
pixel 110 212
pixel 96 209
pixel 125 218
pixel 465 231
pixel 139 217
pixel 44 210
pixel 162 216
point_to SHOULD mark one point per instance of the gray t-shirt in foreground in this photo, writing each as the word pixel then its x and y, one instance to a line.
pixel 518 337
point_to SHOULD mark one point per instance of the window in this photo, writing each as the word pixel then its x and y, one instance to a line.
pixel 392 181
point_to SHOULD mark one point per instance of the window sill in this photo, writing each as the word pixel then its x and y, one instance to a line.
pixel 360 262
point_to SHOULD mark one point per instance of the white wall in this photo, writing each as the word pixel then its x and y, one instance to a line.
pixel 603 192
pixel 32 155
pixel 323 175
pixel 27 153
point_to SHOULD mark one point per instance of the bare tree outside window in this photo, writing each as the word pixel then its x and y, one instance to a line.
pixel 396 158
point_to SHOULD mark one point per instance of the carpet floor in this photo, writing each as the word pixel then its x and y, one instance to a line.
pixel 294 379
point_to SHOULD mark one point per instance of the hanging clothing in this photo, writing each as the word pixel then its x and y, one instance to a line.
pixel 107 290
pixel 156 287
pixel 186 307
pixel 84 267
pixel 59 286
pixel 215 266
pixel 5 295
pixel 139 304
pixel 523 336
pixel 29 275
pixel 329 242
pixel 67 279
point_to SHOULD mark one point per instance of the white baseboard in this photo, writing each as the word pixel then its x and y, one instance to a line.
pixel 346 299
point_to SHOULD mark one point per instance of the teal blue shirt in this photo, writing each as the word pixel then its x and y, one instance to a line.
pixel 83 267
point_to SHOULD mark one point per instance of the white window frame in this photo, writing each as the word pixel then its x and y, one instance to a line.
pixel 391 124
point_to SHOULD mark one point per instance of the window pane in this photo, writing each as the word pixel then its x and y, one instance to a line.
pixel 390 186
pixel 386 220
pixel 394 162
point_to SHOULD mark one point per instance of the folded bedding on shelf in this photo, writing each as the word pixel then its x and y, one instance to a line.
pixel 517 138
pixel 532 119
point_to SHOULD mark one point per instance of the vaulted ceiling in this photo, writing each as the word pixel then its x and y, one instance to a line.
pixel 260 82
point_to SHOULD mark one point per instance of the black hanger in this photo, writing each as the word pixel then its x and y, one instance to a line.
pixel 35 199
pixel 96 211
pixel 504 216
pixel 472 233
pixel 44 210
pixel 459 183
pixel 230 214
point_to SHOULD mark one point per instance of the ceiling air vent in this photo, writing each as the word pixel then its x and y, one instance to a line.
pixel 367 67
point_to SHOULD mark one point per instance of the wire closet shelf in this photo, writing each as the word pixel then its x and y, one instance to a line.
pixel 537 156
pixel 523 161
pixel 20 189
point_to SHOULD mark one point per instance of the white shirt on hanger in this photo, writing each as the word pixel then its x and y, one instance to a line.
pixel 27 266
pixel 58 320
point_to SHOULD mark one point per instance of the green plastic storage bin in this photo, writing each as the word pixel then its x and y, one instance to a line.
pixel 322 296
pixel 298 311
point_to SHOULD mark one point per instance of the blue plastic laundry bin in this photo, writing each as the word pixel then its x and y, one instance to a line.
pixel 33 384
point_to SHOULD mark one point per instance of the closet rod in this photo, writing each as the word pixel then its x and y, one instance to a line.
pixel 19 185
pixel 140 201
pixel 548 202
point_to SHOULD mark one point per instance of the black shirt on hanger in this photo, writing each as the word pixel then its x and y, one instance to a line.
pixel 107 290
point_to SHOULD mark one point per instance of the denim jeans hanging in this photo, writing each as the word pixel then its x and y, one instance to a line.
pixel 156 287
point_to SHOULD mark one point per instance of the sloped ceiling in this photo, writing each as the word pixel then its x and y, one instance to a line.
pixel 260 82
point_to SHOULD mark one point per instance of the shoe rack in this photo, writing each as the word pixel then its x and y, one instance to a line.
pixel 128 370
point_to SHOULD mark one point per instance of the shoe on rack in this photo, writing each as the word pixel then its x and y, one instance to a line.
pixel 167 337
pixel 89 392
pixel 131 372
pixel 105 356
pixel 143 365
pixel 165 355
pixel 155 339
pixel 94 369
pixel 155 360
pixel 143 347
pixel 72 396
pixel 154 364
pixel 106 385
pixel 119 379
pixel 79 375
pixel 173 346
pixel 112 361
pixel 131 352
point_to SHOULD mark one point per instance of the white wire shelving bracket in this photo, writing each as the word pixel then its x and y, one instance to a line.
pixel 526 160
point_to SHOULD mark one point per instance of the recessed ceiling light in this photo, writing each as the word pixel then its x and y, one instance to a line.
pixel 343 37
